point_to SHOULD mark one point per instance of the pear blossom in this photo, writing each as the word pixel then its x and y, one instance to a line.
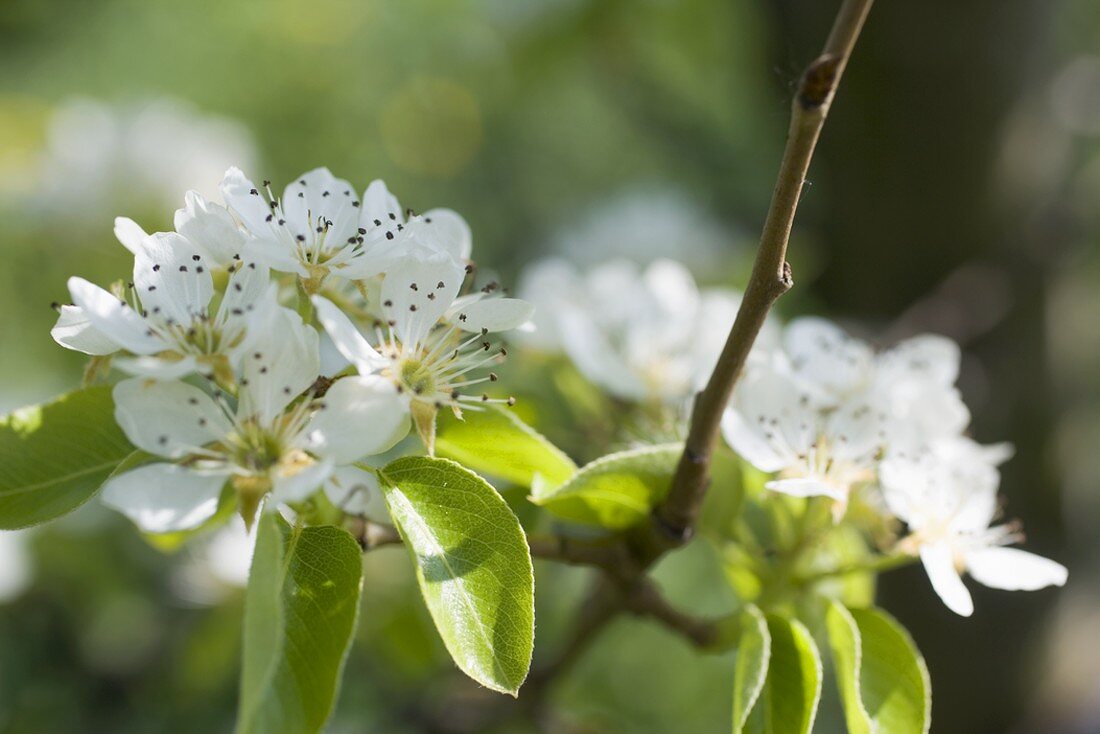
pixel 824 408
pixel 433 344
pixel 947 496
pixel 643 335
pixel 815 448
pixel 169 324
pixel 278 438
pixel 321 228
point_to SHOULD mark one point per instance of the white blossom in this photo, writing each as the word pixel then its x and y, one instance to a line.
pixel 271 440
pixel 643 335
pixel 947 495
pixel 823 408
pixel 433 344
pixel 816 449
pixel 169 323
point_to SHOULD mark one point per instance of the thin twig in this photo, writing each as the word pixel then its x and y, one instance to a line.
pixel 674 519
pixel 646 600
pixel 611 554
pixel 603 604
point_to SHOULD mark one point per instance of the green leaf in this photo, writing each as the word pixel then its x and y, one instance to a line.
pixel 473 565
pixel 788 703
pixel 497 442
pixel 881 675
pixel 301 608
pixel 615 491
pixel 54 457
pixel 751 665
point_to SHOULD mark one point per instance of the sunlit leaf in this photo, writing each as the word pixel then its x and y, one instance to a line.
pixel 615 491
pixel 495 441
pixel 751 665
pixel 55 456
pixel 788 702
pixel 301 609
pixel 473 565
pixel 881 675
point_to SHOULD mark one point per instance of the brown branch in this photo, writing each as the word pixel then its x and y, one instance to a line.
pixel 603 604
pixel 610 554
pixel 674 520
pixel 646 600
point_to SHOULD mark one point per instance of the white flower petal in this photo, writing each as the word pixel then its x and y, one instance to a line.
pixel 672 286
pixel 164 498
pixel 418 291
pixel 826 357
pixel 333 360
pixel 362 416
pixel 273 253
pixel 246 289
pixel 1013 569
pixel 380 212
pixel 594 356
pixel 300 485
pixel 130 234
pixel 926 357
pixel 347 338
pixel 210 228
pixel 250 208
pixel 282 362
pixel 778 421
pixel 319 199
pixel 548 284
pixel 167 418
pixel 156 367
pixel 494 314
pixel 939 563
pixel 16 566
pixel 807 487
pixel 172 278
pixel 357 492
pixel 74 331
pixel 751 445
pixel 451 232
pixel 112 318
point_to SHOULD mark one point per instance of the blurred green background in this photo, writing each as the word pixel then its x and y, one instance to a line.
pixel 955 191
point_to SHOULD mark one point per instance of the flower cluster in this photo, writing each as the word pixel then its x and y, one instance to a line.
pixel 274 343
pixel 822 413
pixel 827 416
